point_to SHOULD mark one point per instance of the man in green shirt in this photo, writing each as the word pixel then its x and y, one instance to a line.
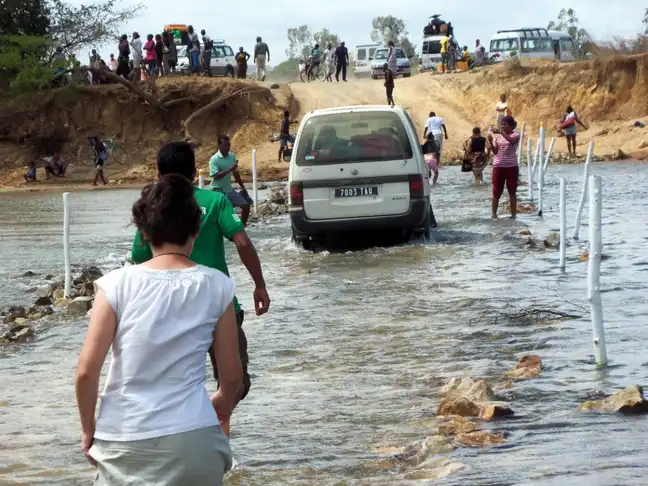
pixel 218 221
pixel 222 166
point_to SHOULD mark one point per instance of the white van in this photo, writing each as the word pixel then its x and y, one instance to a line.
pixel 362 58
pixel 537 43
pixel 222 61
pixel 358 168
pixel 431 52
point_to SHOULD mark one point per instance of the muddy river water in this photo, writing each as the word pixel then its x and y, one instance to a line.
pixel 349 363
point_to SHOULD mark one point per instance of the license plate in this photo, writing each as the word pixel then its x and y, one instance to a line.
pixel 356 191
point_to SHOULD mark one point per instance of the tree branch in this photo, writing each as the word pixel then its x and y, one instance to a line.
pixel 151 100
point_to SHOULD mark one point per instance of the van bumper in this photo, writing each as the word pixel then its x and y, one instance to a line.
pixel 411 220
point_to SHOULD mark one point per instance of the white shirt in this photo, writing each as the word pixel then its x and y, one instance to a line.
pixel 136 44
pixel 156 380
pixel 113 64
pixel 433 125
pixel 501 105
pixel 329 55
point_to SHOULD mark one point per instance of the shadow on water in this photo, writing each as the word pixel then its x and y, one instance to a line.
pixel 349 363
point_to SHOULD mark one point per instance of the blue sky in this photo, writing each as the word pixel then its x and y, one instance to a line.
pixel 472 19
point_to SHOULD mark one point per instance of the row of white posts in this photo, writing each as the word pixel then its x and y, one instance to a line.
pixel 591 187
pixel 255 191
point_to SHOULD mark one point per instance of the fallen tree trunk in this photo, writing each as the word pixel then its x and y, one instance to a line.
pixel 150 99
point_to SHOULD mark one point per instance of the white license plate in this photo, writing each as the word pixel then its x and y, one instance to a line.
pixel 356 191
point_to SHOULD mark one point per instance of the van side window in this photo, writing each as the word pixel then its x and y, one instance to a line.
pixel 424 48
pixel 503 45
pixel 567 45
pixel 362 55
pixel 372 51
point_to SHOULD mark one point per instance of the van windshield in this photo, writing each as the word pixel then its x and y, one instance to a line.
pixel 503 45
pixel 381 54
pixel 353 137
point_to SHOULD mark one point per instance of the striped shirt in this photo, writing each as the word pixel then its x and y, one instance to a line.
pixel 506 151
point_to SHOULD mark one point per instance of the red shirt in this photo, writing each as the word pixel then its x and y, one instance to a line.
pixel 149 47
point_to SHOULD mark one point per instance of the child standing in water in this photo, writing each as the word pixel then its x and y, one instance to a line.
pixel 157 424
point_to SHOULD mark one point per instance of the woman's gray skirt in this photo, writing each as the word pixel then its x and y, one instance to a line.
pixel 195 458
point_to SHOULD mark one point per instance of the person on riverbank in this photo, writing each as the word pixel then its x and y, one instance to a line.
pixel 55 166
pixel 480 54
pixel 341 62
pixel 241 59
pixel 501 110
pixel 222 166
pixel 475 153
pixel 261 56
pixel 284 133
pixel 445 40
pixel 329 62
pixel 123 68
pixel 219 221
pixel 138 56
pixel 150 56
pixel 157 424
pixel 435 129
pixel 30 175
pixel 569 128
pixel 101 155
pixel 389 84
pixel 505 164
pixel 208 47
pixel 173 51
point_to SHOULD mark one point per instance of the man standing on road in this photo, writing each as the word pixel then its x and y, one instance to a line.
pixel 218 221
pixel 342 61
pixel 434 130
pixel 208 46
pixel 261 56
pixel 444 52
pixel 192 39
pixel 138 49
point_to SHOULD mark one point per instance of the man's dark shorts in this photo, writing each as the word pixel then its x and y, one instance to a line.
pixel 243 353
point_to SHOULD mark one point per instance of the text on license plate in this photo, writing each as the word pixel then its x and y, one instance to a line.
pixel 356 191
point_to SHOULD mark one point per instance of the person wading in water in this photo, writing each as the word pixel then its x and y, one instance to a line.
pixel 505 164
pixel 569 128
pixel 157 424
pixel 284 133
pixel 475 154
pixel 219 221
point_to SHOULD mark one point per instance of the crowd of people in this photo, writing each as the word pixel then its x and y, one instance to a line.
pixel 501 145
pixel 157 56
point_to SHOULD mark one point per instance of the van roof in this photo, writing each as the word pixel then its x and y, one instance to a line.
pixel 345 109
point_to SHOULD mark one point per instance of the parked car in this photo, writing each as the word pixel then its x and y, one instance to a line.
pixel 222 61
pixel 404 67
pixel 358 168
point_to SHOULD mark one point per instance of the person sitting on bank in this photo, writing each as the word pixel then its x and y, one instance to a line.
pixel 30 176
pixel 476 154
pixel 55 166
pixel 222 166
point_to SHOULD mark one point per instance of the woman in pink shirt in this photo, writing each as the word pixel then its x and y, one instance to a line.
pixel 505 165
pixel 151 56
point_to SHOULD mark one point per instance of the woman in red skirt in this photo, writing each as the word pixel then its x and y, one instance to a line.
pixel 505 164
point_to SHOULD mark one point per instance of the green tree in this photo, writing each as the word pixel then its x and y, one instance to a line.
pixel 299 41
pixel 324 37
pixel 408 47
pixel 75 27
pixel 567 21
pixel 388 28
pixel 23 17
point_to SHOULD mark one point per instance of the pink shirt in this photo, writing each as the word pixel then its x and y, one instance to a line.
pixel 149 47
pixel 506 151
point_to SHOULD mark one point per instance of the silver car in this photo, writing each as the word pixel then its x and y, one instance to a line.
pixel 222 61
pixel 404 68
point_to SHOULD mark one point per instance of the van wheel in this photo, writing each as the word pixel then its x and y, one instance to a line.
pixel 301 240
pixel 374 77
pixel 230 71
pixel 425 231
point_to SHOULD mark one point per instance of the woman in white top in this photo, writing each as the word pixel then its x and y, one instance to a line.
pixel 157 424
pixel 435 130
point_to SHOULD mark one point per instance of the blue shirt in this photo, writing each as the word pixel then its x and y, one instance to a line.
pixel 219 163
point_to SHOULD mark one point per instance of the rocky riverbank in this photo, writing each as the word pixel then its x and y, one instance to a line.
pixel 19 323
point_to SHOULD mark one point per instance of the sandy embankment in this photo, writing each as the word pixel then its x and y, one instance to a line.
pixel 609 96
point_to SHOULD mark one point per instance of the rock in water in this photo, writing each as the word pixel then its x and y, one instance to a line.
pixel 454 425
pixel 90 274
pixel 43 301
pixel 18 333
pixel 478 391
pixel 14 312
pixel 491 411
pixel 458 405
pixel 479 438
pixel 526 368
pixel 80 305
pixel 278 195
pixel 629 401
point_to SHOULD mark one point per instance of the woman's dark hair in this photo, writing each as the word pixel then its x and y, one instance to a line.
pixel 167 211
pixel 177 158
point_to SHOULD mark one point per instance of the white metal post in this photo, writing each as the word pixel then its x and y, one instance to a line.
pixel 594 270
pixel 535 157
pixel 520 145
pixel 541 153
pixel 548 157
pixel 581 202
pixel 201 179
pixel 255 191
pixel 529 169
pixel 67 290
pixel 563 223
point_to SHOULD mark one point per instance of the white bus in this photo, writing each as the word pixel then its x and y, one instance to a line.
pixel 537 43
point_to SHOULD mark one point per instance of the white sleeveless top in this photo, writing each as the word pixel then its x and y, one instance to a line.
pixel 157 375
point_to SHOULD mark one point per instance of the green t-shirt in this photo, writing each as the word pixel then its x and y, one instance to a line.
pixel 218 220
pixel 219 163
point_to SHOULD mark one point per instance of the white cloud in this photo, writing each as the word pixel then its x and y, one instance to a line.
pixel 352 20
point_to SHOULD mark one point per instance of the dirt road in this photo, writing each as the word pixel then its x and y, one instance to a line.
pixel 418 95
